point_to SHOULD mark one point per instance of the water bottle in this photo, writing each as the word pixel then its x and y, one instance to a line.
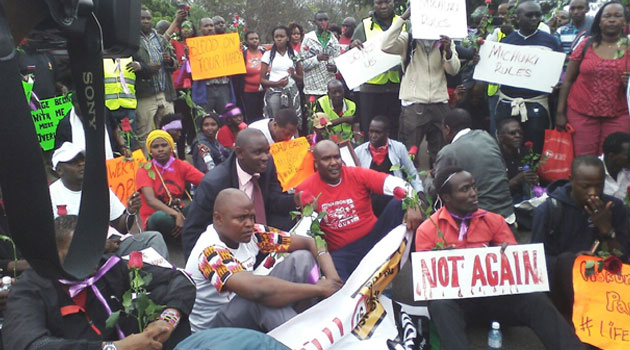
pixel 6 283
pixel 207 158
pixel 495 339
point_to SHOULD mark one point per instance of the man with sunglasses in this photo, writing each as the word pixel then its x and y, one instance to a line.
pixel 513 100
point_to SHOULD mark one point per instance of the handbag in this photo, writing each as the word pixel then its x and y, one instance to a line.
pixel 558 153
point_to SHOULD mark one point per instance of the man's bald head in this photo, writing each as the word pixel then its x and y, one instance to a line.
pixel 248 136
pixel 161 26
pixel 234 217
pixel 228 198
pixel 334 83
pixel 252 151
pixel 206 26
pixel 328 161
pixel 323 147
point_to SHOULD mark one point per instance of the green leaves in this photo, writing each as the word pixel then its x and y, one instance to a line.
pixel 112 320
pixel 308 210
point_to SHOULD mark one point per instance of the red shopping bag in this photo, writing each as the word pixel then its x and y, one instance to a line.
pixel 558 149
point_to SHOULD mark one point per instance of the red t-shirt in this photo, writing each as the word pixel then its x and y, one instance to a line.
pixel 252 75
pixel 181 79
pixel 348 206
pixel 175 182
pixel 598 90
pixel 226 137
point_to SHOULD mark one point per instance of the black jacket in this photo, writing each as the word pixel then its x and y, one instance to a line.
pixel 277 204
pixel 33 309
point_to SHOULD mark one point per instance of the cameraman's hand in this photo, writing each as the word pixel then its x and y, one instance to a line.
pixel 133 66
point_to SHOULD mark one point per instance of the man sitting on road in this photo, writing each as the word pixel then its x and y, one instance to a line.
pixel 221 264
pixel 464 225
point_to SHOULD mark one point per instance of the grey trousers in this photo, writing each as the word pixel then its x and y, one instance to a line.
pixel 243 313
pixel 144 240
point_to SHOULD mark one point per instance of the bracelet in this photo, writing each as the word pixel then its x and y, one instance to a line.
pixel 171 316
pixel 321 252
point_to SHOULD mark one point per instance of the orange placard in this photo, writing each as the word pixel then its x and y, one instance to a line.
pixel 601 311
pixel 121 175
pixel 293 160
pixel 213 56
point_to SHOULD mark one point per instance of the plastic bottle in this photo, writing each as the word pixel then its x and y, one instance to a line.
pixel 495 339
pixel 207 158
pixel 6 283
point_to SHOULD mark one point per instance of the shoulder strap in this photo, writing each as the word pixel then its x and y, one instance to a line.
pixel 589 42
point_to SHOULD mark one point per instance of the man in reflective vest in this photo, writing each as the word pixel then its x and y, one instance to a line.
pixel 379 96
pixel 120 91
pixel 340 110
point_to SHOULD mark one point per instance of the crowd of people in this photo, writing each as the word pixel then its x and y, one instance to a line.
pixel 209 189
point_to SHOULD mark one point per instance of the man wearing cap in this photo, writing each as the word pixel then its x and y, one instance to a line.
pixel 347 29
pixel 65 194
pixel 281 128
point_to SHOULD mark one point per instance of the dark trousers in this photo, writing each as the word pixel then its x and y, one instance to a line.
pixel 188 127
pixel 348 257
pixel 534 128
pixel 386 104
pixel 420 120
pixel 532 310
pixel 253 103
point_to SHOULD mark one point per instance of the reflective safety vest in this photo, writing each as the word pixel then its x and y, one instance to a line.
pixel 345 129
pixel 493 88
pixel 370 31
pixel 118 94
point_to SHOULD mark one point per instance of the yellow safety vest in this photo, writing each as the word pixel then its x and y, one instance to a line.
pixel 493 88
pixel 115 95
pixel 370 31
pixel 345 129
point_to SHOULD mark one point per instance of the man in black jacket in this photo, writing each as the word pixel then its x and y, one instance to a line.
pixel 250 162
pixel 42 315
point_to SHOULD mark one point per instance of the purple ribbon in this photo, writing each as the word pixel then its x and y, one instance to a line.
pixel 185 68
pixel 463 227
pixel 77 287
pixel 166 167
pixel 121 74
pixel 32 104
pixel 314 275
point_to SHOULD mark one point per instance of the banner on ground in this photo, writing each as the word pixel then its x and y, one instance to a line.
pixel 432 18
pixel 601 310
pixel 121 175
pixel 213 56
pixel 479 272
pixel 293 160
pixel 525 67
pixel 47 118
pixel 358 66
pixel 357 316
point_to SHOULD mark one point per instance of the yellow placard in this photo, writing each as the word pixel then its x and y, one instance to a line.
pixel 121 175
pixel 293 160
pixel 213 56
pixel 601 311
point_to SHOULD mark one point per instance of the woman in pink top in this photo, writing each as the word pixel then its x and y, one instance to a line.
pixel 593 94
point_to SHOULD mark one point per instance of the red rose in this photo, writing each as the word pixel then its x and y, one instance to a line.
pixel 323 121
pixel 613 265
pixel 245 29
pixel 529 145
pixel 236 17
pixel 628 190
pixel 306 198
pixel 490 11
pixel 312 98
pixel 242 126
pixel 61 210
pixel 488 1
pixel 269 262
pixel 306 48
pixel 187 8
pixel 400 193
pixel 135 260
pixel 125 125
pixel 235 24
pixel 413 150
pixel 334 139
pixel 480 41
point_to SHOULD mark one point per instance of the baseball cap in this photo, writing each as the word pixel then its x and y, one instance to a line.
pixel 67 152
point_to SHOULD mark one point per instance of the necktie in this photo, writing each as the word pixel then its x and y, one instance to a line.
pixel 259 202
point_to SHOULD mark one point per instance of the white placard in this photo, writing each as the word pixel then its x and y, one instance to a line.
pixel 526 67
pixel 358 66
pixel 479 272
pixel 334 322
pixel 432 18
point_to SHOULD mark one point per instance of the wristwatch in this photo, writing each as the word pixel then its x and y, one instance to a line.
pixel 109 346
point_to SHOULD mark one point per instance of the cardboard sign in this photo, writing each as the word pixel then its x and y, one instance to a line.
pixel 47 118
pixel 213 56
pixel 358 66
pixel 121 175
pixel 293 160
pixel 526 67
pixel 479 272
pixel 357 316
pixel 601 310
pixel 432 18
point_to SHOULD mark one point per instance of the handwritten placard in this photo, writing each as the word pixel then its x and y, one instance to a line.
pixel 293 160
pixel 479 272
pixel 519 66
pixel 121 175
pixel 213 56
pixel 358 66
pixel 47 118
pixel 432 18
pixel 601 310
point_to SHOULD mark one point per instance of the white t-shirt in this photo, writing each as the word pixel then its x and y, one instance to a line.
pixel 63 198
pixel 212 258
pixel 279 67
pixel 263 125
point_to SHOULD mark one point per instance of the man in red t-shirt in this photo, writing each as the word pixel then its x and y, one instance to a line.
pixel 350 227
